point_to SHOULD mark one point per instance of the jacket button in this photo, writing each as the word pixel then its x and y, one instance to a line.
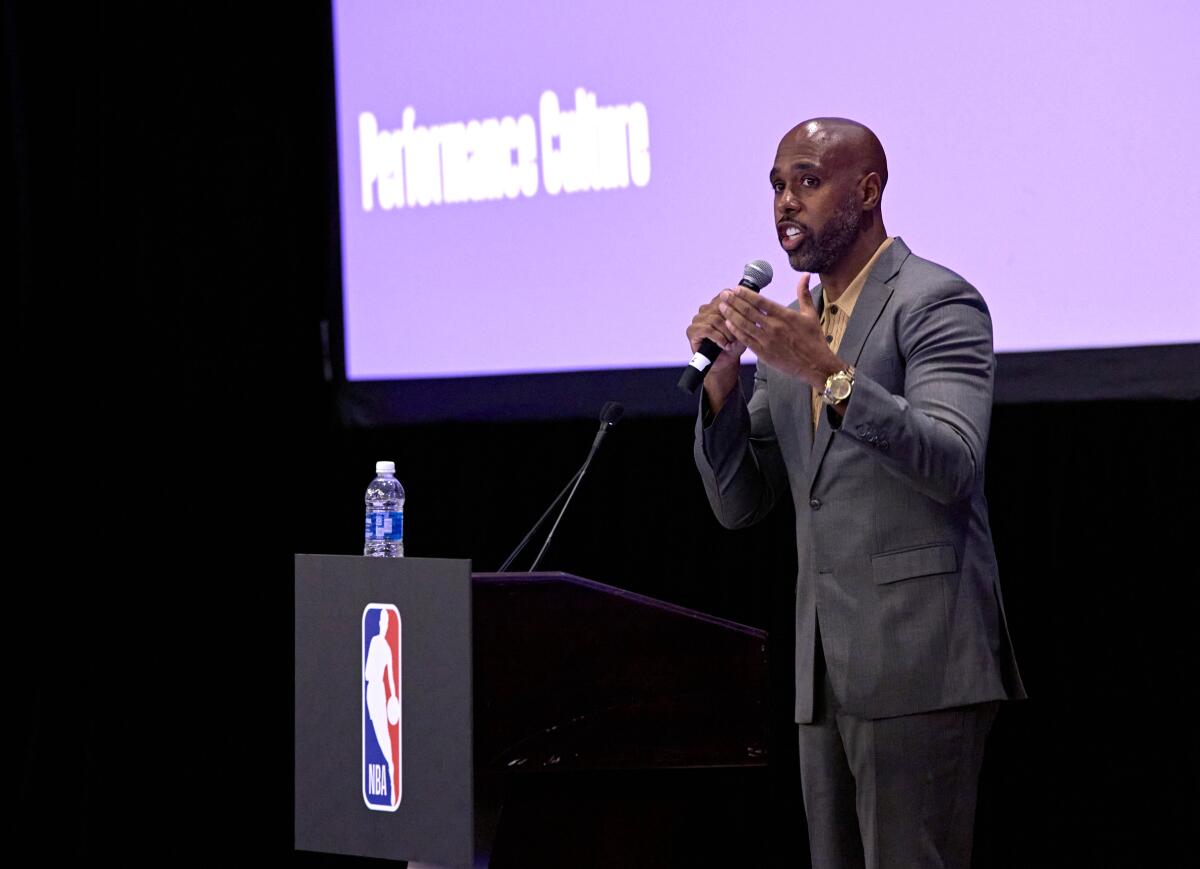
pixel 815 504
pixel 883 445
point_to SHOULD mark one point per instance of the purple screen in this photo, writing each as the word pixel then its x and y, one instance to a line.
pixel 547 186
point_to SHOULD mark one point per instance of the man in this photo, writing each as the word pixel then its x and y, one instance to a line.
pixel 872 401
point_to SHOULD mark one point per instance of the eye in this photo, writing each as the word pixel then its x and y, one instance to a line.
pixel 777 186
pixel 810 181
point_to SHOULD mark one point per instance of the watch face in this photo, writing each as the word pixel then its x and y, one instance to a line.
pixel 837 387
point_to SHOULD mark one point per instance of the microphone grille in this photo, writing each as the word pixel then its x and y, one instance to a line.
pixel 758 272
pixel 611 412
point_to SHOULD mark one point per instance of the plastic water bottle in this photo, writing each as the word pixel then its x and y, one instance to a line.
pixel 385 514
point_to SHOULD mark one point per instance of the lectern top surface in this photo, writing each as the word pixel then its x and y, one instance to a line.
pixel 492 579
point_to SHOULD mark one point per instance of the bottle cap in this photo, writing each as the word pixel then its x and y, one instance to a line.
pixel 385 467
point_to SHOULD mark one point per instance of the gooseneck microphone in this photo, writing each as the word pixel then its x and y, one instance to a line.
pixel 609 414
pixel 755 276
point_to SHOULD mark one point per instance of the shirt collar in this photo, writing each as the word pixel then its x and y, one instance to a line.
pixel 846 300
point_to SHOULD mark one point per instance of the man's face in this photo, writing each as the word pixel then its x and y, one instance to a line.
pixel 817 210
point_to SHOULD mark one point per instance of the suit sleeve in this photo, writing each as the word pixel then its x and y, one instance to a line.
pixel 935 434
pixel 738 456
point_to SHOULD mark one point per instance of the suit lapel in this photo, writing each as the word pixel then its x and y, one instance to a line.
pixel 871 302
pixel 804 406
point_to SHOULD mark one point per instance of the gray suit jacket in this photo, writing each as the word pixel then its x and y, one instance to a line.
pixel 895 552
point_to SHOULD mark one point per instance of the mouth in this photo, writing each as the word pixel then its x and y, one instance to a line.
pixel 791 236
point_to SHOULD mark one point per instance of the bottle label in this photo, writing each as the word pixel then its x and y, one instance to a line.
pixel 385 525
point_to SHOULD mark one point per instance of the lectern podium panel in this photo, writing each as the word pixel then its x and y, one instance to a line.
pixel 350 797
pixel 423 692
pixel 572 674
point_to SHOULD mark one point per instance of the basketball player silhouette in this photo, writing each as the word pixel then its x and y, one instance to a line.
pixel 383 706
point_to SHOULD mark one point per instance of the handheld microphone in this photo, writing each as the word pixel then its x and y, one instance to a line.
pixel 609 415
pixel 756 275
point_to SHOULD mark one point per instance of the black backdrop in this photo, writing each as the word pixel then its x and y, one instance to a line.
pixel 175 439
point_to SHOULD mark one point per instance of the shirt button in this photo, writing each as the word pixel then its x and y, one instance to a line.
pixel 833 309
pixel 828 339
pixel 815 504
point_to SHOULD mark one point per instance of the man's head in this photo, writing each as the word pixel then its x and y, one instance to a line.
pixel 828 179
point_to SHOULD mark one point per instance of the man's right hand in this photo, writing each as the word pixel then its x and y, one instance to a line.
pixel 722 377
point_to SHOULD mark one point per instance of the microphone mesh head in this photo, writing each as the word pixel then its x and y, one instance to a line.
pixel 611 412
pixel 758 272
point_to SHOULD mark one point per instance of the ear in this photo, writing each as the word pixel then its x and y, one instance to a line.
pixel 871 188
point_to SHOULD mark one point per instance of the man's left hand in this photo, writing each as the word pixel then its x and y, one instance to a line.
pixel 789 340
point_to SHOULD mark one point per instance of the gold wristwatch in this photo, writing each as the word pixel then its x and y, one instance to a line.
pixel 838 386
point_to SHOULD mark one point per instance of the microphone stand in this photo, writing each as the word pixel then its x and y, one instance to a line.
pixel 609 414
pixel 538 523
pixel 578 479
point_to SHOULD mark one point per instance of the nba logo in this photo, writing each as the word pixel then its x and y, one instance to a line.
pixel 381 707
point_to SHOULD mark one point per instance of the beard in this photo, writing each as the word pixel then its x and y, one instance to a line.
pixel 820 251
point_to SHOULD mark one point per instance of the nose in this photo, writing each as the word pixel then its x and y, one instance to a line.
pixel 787 203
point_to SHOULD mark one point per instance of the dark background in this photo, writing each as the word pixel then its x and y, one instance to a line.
pixel 170 219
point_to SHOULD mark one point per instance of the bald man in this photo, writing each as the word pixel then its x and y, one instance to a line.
pixel 871 403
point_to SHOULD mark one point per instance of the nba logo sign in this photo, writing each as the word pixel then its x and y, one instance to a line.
pixel 381 707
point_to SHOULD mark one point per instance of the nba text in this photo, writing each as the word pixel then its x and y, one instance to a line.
pixel 377 780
